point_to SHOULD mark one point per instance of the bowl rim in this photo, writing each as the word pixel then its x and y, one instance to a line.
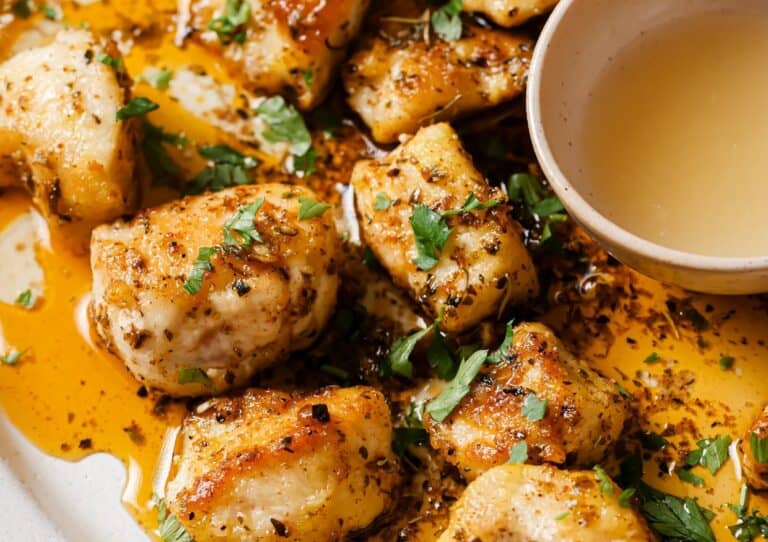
pixel 585 213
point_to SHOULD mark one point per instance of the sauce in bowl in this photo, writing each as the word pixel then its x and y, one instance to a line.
pixel 676 136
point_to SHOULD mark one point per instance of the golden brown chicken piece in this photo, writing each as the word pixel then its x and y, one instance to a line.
pixel 529 503
pixel 269 466
pixel 483 265
pixel 753 447
pixel 509 12
pixel 255 303
pixel 59 135
pixel 583 416
pixel 290 44
pixel 397 86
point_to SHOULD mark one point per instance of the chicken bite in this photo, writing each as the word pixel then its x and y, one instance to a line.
pixel 583 415
pixel 59 135
pixel 269 466
pixel 175 300
pixel 521 503
pixel 754 454
pixel 397 86
pixel 509 12
pixel 483 265
pixel 294 44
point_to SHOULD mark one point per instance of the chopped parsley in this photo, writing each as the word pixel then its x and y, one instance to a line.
pixel 287 125
pixel 159 79
pixel 686 475
pixel 430 232
pixel 135 108
pixel 21 9
pixel 652 358
pixel 441 406
pixel 561 516
pixel 398 359
pixel 408 436
pixel 711 453
pixel 309 208
pixel 194 375
pixel 726 362
pixel 26 299
pixel 748 526
pixel 606 484
pixel 518 454
pixel 534 409
pixel 309 77
pixel 653 441
pixel 228 27
pixel 164 169
pixel 382 202
pixel 370 260
pixel 675 519
pixel 506 344
pixel 194 282
pixel 50 12
pixel 446 21
pixel 547 210
pixel 472 204
pixel 12 358
pixel 622 391
pixel 759 447
pixel 242 224
pixel 228 167
pixel 168 526
pixel 625 497
pixel 110 61
pixel 439 356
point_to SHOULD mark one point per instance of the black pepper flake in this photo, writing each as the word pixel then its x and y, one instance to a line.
pixel 320 413
pixel 85 444
pixel 280 528
pixel 142 392
pixel 241 287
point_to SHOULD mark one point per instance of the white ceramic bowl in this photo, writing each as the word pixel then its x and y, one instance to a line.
pixel 579 40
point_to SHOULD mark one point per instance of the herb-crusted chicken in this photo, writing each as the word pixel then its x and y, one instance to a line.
pixel 270 466
pixel 483 265
pixel 753 452
pixel 397 86
pixel 179 297
pixel 509 12
pixel 540 394
pixel 59 135
pixel 526 503
pixel 293 45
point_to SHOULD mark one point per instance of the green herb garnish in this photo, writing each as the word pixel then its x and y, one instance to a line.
pixel 309 208
pixel 471 204
pixel 168 526
pixel 287 125
pixel 653 441
pixel 160 79
pixel 194 375
pixel 12 358
pixel 164 169
pixel 194 282
pixel 439 356
pixel 748 526
pixel 446 21
pixel 21 9
pixel 652 358
pixel 228 168
pixel 135 108
pixel 534 409
pixel 50 13
pixel 26 299
pixel 382 202
pixel 518 454
pixel 506 344
pixel 606 484
pixel 625 497
pixel 441 406
pixel 110 61
pixel 408 436
pixel 430 232
pixel 398 359
pixel 759 447
pixel 726 362
pixel 712 453
pixel 242 224
pixel 309 77
pixel 229 26
pixel 686 475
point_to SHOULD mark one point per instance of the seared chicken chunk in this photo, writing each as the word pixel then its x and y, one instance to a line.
pixel 583 415
pixel 271 466
pixel 292 44
pixel 526 503
pixel 398 86
pixel 509 12
pixel 255 303
pixel 483 264
pixel 755 472
pixel 59 135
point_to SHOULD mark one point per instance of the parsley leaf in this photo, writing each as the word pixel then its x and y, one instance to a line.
pixel 726 362
pixel 439 356
pixel 382 202
pixel 229 168
pixel 446 21
pixel 653 441
pixel 194 282
pixel 309 77
pixel 677 519
pixel 26 299
pixel 285 124
pixel 625 497
pixel 12 358
pixel 527 189
pixel 441 406
pixel 168 526
pixel 21 9
pixel 622 391
pixel 310 208
pixel 712 453
pixel 534 409
pixel 194 375
pixel 430 232
pixel 159 79
pixel 518 454
pixel 687 476
pixel 652 358
pixel 110 61
pixel 228 26
pixel 748 526
pixel 398 359
pixel 759 447
pixel 506 344
pixel 164 169
pixel 472 204
pixel 407 436
pixel 242 224
pixel 606 484
pixel 135 108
